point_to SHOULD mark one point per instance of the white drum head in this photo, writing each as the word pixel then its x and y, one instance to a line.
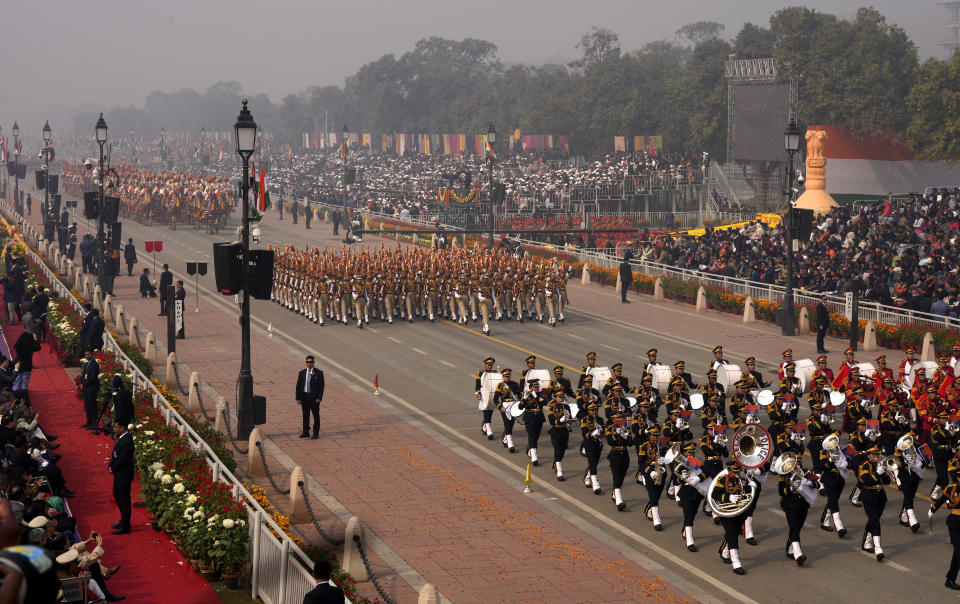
pixel 696 401
pixel 764 398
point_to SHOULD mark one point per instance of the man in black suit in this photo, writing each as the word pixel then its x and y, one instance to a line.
pixel 90 387
pixel 309 395
pixel 93 338
pixel 626 280
pixel 121 466
pixel 147 288
pixel 823 322
pixel 122 402
pixel 325 592
pixel 130 256
pixel 166 280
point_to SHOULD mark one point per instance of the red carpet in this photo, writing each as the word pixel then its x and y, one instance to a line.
pixel 153 570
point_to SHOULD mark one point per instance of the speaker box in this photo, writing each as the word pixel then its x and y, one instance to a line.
pixel 91 204
pixel 55 201
pixel 261 274
pixel 116 235
pixel 227 266
pixel 41 179
pixel 111 209
pixel 22 171
pixel 11 168
pixel 53 183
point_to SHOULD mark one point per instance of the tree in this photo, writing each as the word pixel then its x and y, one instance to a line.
pixel 597 45
pixel 753 42
pixel 934 104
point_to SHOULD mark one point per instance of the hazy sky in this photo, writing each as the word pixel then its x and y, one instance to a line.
pixel 106 52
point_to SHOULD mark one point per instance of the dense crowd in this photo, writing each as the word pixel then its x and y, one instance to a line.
pixel 898 253
pixel 34 512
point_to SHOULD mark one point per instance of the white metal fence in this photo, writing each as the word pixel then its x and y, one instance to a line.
pixel 282 572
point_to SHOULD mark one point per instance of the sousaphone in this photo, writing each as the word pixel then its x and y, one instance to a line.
pixel 752 447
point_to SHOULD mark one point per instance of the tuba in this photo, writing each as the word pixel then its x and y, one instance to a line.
pixel 905 444
pixel 788 464
pixel 731 509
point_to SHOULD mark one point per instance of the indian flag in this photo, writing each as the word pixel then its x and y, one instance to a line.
pixel 490 153
pixel 263 197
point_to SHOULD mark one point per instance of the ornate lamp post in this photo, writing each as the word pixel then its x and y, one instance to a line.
pixel 101 133
pixel 46 167
pixel 16 169
pixel 791 143
pixel 245 131
pixel 491 139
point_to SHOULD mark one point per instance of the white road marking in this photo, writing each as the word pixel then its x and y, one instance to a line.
pixel 614 348
pixel 446 363
pixel 573 335
pixel 393 339
pixel 887 562
pixel 417 350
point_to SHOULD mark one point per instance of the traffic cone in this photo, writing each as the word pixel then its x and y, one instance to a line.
pixel 376 386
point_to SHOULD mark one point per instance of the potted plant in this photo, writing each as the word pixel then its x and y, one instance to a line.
pixel 229 548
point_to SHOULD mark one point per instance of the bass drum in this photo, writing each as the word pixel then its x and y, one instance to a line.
pixel 661 378
pixel 488 387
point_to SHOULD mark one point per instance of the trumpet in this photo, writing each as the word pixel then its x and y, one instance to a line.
pixel 887 463
pixel 720 439
pixel 682 424
pixel 903 421
pixel 951 428
pixel 831 445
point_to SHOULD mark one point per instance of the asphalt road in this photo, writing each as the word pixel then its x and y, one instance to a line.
pixel 429 369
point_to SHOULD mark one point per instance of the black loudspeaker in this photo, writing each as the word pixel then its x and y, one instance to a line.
pixel 55 205
pixel 41 179
pixel 259 410
pixel 11 168
pixel 22 172
pixel 53 183
pixel 111 209
pixel 350 176
pixel 91 204
pixel 116 235
pixel 228 267
pixel 802 223
pixel 261 274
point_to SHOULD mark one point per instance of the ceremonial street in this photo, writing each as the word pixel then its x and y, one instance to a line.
pixel 444 505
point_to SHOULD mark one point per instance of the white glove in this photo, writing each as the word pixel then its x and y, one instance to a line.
pixel 692 480
pixel 661 461
pixel 355 296
pixel 930 512
pixel 734 498
pixel 457 296
pixel 478 395
pixel 481 298
pixel 881 469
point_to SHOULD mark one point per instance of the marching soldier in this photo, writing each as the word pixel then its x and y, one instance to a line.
pixel 646 392
pixel 787 359
pixel 942 444
pixel 871 478
pixel 558 415
pixel 822 371
pixel 818 428
pixel 833 473
pixel 651 361
pixel 616 378
pixel 795 507
pixel 619 438
pixel 507 392
pixel 678 371
pixel 689 471
pixel 903 372
pixel 654 475
pixel 881 373
pixel 740 398
pixel 718 359
pixel 712 387
pixel 908 480
pixel 731 488
pixel 531 362
pixel 561 382
pixel 485 427
pixel 532 405
pixel 639 424
pixel 751 377
pixel 616 403
pixel 951 498
pixel 677 398
pixel 593 430
pixel 588 368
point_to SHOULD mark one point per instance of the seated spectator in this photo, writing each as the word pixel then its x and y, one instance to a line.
pixel 76 561
pixel 146 287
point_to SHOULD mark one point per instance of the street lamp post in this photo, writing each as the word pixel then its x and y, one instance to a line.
pixel 101 133
pixel 16 169
pixel 491 139
pixel 245 131
pixel 791 143
pixel 46 169
pixel 346 211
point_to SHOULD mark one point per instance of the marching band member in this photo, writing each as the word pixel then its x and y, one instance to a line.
pixel 532 405
pixel 531 362
pixel 871 478
pixel 795 507
pixel 906 364
pixel 818 427
pixel 730 488
pixel 654 472
pixel 586 395
pixel 651 361
pixel 689 472
pixel 751 377
pixel 942 443
pixel 822 371
pixel 618 436
pixel 712 387
pixel 507 391
pixel 928 406
pixel 740 398
pixel 592 428
pixel 845 367
pixel 711 415
pixel 588 368
pixel 833 474
pixel 646 392
pixel 884 394
pixel 713 445
pixel 616 402
pixel 558 415
pixel 943 372
pixel 893 425
pixel 920 386
pixel 795 388
pixel 677 398
pixel 787 358
pixel 881 373
pixel 860 441
pixel 856 410
pixel 616 378
pixel 718 359
pixel 951 498
pixel 485 427
pixel 638 427
pixel 908 480
pixel 678 371
pixel 561 382
pixel 780 409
